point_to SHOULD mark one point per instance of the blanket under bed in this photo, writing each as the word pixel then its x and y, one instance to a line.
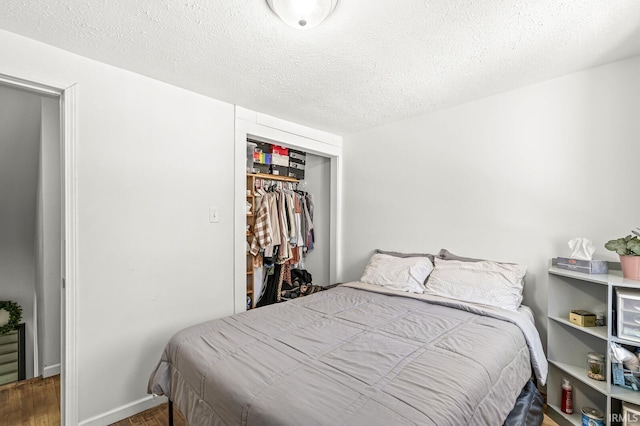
pixel 349 356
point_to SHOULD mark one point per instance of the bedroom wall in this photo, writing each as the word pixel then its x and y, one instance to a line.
pixel 151 159
pixel 511 177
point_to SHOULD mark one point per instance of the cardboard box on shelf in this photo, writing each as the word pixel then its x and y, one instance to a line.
pixel 582 318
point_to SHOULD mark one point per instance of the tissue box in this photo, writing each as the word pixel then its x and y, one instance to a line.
pixel 585 266
pixel 582 318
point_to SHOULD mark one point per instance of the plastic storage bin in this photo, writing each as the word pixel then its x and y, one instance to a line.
pixel 630 414
pixel 628 321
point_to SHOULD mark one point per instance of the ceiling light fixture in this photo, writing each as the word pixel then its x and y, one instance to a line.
pixel 302 14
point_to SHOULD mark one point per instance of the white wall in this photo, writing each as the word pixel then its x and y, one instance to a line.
pixel 318 178
pixel 511 177
pixel 152 158
pixel 19 146
pixel 48 241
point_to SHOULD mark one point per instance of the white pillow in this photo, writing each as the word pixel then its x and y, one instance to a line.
pixel 486 282
pixel 397 273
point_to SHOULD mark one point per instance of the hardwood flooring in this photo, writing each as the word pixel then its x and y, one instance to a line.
pixel 31 402
pixel 36 402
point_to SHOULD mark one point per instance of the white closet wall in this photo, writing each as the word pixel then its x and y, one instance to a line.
pixel 318 178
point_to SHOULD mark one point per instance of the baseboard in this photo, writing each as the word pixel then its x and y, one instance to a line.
pixel 125 411
pixel 51 370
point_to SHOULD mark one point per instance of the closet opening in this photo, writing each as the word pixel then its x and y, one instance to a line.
pixel 288 222
pixel 311 161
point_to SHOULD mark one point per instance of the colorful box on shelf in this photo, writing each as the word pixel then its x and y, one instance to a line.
pixel 261 158
pixel 584 266
pixel 582 318
pixel 280 150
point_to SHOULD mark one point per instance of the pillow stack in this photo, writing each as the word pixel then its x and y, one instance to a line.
pixel 466 279
pixel 398 273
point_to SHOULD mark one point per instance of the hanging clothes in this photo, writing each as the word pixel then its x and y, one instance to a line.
pixel 262 233
pixel 283 232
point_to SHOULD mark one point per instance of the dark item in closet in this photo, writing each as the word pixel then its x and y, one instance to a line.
pixel 300 286
pixel 270 293
pixel 278 289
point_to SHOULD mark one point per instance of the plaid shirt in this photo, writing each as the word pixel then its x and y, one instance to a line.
pixel 262 234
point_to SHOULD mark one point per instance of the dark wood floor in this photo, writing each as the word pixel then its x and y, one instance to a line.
pixel 31 402
pixel 37 402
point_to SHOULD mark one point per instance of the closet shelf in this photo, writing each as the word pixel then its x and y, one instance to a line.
pixel 272 177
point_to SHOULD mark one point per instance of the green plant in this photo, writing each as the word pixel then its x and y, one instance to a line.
pixel 627 246
pixel 15 315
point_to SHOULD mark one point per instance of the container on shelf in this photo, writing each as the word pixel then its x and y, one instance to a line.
pixel 582 318
pixel 592 417
pixel 567 396
pixel 585 266
pixel 596 366
pixel 630 414
pixel 628 324
pixel 251 147
pixel 624 377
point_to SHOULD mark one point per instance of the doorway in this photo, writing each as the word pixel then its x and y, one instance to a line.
pixel 64 94
pixel 30 229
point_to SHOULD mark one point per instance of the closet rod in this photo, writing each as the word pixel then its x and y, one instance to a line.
pixel 266 176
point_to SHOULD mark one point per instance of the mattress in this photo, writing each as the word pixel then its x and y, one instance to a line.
pixel 353 355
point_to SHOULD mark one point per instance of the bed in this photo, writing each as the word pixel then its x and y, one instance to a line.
pixel 359 353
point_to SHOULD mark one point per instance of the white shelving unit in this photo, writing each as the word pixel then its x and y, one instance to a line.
pixel 568 344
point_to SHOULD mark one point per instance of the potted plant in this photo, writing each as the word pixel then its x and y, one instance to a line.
pixel 628 248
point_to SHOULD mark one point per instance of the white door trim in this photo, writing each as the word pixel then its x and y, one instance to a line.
pixel 67 92
pixel 262 126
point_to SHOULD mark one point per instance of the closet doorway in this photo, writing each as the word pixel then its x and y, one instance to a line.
pixel 323 175
pixel 38 180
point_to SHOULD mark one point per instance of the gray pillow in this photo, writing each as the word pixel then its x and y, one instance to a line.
pixel 399 254
pixel 445 254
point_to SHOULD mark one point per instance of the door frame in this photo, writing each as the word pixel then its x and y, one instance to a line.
pixel 275 130
pixel 67 93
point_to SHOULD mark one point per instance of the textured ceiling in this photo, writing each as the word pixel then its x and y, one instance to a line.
pixel 372 61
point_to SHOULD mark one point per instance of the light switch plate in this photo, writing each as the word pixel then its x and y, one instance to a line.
pixel 214 215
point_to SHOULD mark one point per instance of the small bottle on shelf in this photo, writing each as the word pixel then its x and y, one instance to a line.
pixel 567 397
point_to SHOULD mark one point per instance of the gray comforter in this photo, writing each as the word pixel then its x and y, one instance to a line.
pixel 348 356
